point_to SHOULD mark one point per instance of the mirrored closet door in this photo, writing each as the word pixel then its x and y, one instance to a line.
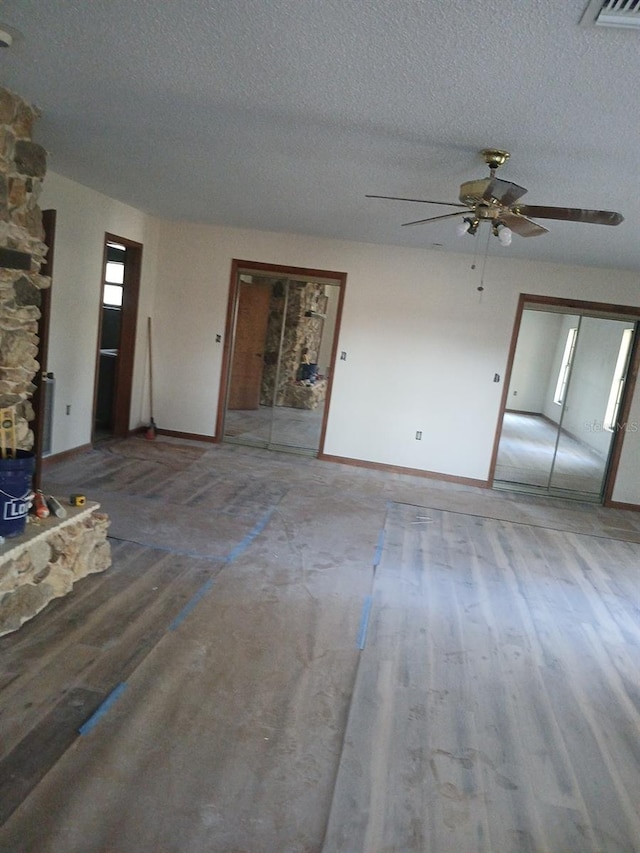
pixel 281 361
pixel 565 393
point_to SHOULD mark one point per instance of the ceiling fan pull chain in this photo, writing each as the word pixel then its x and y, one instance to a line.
pixel 475 250
pixel 484 264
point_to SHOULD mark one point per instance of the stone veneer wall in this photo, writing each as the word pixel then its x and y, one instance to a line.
pixel 22 168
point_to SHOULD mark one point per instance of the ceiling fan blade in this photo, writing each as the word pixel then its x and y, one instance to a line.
pixel 571 214
pixel 434 218
pixel 503 191
pixel 419 200
pixel 523 226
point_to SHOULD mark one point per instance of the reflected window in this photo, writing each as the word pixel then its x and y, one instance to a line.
pixel 617 385
pixel 565 366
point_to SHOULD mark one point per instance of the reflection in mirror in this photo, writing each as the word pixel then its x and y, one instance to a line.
pixel 584 439
pixel 555 436
pixel 286 328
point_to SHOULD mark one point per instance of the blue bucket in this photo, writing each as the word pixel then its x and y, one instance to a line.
pixel 15 492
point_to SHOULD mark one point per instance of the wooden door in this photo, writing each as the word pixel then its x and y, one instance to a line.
pixel 248 351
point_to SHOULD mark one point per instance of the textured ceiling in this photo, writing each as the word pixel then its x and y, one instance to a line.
pixel 282 114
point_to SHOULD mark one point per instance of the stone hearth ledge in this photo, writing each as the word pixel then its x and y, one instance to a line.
pixel 46 560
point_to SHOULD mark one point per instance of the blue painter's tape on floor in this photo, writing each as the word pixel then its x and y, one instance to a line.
pixel 378 555
pixel 111 699
pixel 242 546
pixel 364 622
pixel 186 610
pixel 248 539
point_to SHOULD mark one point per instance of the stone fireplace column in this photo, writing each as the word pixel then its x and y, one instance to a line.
pixel 52 554
pixel 22 252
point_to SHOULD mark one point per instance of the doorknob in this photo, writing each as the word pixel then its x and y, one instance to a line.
pixel 258 355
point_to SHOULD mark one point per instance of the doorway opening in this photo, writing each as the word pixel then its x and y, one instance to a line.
pixel 121 268
pixel 567 398
pixel 280 349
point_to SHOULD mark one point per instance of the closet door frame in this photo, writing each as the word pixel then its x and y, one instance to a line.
pixel 587 308
pixel 291 273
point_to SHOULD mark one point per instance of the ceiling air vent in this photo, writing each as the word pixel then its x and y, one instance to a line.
pixel 612 13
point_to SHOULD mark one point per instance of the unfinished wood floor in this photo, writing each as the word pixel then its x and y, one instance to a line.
pixel 497 701
pixel 492 703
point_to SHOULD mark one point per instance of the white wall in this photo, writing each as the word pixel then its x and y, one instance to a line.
pixel 82 218
pixel 533 360
pixel 422 344
pixel 627 489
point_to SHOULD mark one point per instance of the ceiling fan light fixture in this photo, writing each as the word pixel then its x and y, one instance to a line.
pixel 468 226
pixel 503 233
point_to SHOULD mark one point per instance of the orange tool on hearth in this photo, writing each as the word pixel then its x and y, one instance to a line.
pixel 40 507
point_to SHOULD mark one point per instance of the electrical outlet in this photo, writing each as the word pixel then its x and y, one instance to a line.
pixel 68 410
pixel 419 435
pixel 218 338
pixel 343 356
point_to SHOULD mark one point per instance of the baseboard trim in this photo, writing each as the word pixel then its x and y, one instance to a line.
pixel 622 505
pixel 189 436
pixel 65 454
pixel 399 469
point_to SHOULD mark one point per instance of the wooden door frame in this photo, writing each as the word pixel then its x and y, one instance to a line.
pixel 38 399
pixel 275 270
pixel 606 311
pixel 128 329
